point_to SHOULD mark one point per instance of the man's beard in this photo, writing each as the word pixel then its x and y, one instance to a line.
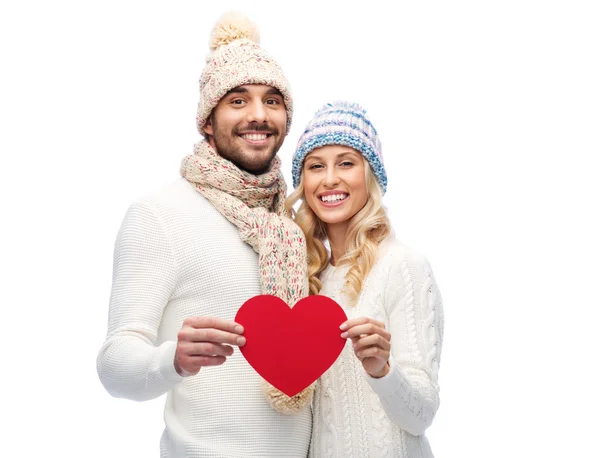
pixel 227 148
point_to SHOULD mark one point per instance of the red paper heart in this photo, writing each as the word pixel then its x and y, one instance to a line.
pixel 291 347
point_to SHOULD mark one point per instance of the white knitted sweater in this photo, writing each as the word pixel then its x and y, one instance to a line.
pixel 359 416
pixel 176 256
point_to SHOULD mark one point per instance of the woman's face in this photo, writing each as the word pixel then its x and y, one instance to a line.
pixel 334 183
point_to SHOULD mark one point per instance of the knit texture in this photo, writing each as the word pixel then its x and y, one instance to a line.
pixel 255 205
pixel 341 123
pixel 236 58
pixel 176 256
pixel 355 415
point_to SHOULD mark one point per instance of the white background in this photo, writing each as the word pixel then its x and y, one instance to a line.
pixel 489 114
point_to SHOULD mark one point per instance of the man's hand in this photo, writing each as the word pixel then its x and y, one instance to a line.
pixel 205 341
pixel 371 344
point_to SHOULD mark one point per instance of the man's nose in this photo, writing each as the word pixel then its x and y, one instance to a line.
pixel 256 112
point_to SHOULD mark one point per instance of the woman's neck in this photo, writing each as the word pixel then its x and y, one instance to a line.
pixel 336 233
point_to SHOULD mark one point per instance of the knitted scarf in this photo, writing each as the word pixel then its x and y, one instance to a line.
pixel 255 205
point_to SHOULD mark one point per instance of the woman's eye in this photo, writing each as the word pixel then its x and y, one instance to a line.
pixel 314 166
pixel 347 164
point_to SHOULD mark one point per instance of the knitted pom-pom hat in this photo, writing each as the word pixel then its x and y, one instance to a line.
pixel 341 123
pixel 237 59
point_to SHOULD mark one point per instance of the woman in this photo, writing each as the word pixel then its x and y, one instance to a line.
pixel 381 394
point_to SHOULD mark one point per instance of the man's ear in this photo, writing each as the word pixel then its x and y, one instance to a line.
pixel 208 127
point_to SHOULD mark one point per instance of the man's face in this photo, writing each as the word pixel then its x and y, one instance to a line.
pixel 248 126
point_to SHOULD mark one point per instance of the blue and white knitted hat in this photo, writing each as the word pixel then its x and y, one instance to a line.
pixel 341 123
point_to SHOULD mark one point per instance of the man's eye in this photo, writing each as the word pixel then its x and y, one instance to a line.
pixel 237 102
pixel 272 102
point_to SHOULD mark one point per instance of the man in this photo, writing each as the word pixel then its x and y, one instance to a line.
pixel 188 256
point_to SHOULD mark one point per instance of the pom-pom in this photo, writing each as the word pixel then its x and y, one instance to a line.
pixel 230 27
pixel 341 105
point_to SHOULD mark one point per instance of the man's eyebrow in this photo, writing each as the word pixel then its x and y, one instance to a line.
pixel 237 90
pixel 242 90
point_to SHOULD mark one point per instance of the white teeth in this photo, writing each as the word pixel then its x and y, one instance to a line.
pixel 334 197
pixel 255 137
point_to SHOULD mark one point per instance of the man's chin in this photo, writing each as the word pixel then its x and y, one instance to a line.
pixel 254 159
pixel 255 169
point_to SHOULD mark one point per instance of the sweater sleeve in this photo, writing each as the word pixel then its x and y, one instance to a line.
pixel 409 392
pixel 130 364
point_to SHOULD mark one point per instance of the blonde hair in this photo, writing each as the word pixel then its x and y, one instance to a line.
pixel 367 229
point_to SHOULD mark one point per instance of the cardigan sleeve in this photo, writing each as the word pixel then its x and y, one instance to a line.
pixel 130 364
pixel 409 393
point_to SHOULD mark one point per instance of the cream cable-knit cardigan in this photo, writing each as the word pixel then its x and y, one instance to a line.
pixel 176 256
pixel 359 416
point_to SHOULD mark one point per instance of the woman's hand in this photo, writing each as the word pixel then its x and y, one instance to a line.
pixel 371 343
